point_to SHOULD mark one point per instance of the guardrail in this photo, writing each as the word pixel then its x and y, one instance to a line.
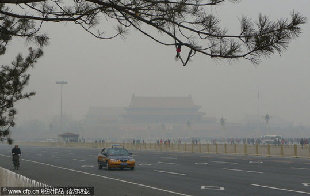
pixel 241 149
pixel 11 179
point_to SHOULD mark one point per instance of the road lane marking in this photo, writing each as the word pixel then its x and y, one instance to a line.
pixel 306 184
pixel 201 163
pixel 255 162
pixel 258 172
pixel 87 166
pixel 82 160
pixel 142 164
pixel 106 177
pixel 280 161
pixel 225 162
pixel 4 155
pixel 280 189
pixel 167 172
pixel 300 168
pixel 240 170
pixel 159 162
pixel 74 159
pixel 215 188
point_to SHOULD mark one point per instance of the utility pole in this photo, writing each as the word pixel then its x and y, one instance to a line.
pixel 61 83
pixel 258 112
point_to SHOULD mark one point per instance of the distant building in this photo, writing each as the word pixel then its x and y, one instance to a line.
pixel 150 117
pixel 162 110
pixel 69 137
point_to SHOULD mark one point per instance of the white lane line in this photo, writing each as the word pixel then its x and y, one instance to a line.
pixel 87 166
pixel 74 159
pixel 280 189
pixel 167 172
pixel 224 162
pixel 301 168
pixel 159 162
pixel 169 158
pixel 82 160
pixel 240 170
pixel 106 177
pixel 201 163
pixel 215 188
pixel 255 162
pixel 142 164
pixel 258 172
pixel 306 184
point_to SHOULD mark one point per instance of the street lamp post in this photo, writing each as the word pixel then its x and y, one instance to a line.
pixel 61 83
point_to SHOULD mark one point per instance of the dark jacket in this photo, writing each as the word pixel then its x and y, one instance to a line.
pixel 16 151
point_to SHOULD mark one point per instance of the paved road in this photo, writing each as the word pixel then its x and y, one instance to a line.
pixel 164 173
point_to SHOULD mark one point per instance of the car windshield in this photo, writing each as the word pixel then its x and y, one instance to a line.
pixel 117 152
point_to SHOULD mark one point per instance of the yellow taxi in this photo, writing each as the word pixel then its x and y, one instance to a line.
pixel 116 157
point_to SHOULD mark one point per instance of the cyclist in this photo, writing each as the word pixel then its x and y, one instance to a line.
pixel 16 152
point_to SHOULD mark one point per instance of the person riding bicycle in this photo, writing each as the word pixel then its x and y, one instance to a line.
pixel 16 152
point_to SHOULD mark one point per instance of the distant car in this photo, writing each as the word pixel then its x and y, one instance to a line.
pixel 115 157
pixel 271 139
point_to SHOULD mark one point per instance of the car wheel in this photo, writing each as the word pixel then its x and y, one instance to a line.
pixel 132 168
pixel 99 166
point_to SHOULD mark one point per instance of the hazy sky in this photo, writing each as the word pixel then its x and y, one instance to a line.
pixel 107 73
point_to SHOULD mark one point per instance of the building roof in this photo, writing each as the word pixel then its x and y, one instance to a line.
pixel 162 102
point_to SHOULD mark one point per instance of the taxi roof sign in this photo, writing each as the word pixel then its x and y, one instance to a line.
pixel 117 146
